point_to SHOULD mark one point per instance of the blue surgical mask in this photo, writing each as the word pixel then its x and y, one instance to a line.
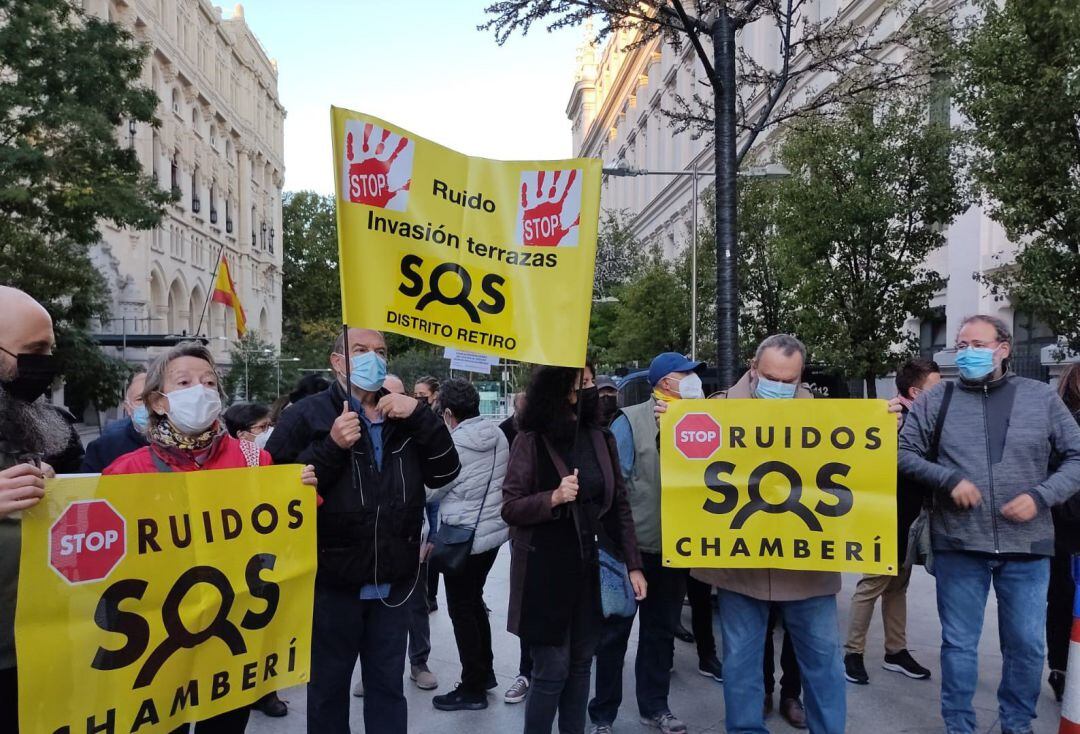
pixel 773 390
pixel 975 363
pixel 368 371
pixel 140 417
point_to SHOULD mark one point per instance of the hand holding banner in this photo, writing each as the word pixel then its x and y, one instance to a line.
pixel 795 484
pixel 464 252
pixel 150 600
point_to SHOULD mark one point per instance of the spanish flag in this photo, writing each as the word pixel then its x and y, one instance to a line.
pixel 225 294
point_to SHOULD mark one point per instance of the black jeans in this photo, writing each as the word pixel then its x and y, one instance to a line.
pixel 659 614
pixel 344 627
pixel 419 621
pixel 1059 609
pixel 525 662
pixel 790 678
pixel 701 616
pixel 9 701
pixel 472 631
pixel 560 682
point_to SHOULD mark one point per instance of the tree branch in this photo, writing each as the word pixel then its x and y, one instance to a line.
pixel 696 41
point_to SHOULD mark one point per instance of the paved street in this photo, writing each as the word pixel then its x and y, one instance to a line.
pixel 890 704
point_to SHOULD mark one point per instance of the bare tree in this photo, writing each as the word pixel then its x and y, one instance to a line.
pixel 740 97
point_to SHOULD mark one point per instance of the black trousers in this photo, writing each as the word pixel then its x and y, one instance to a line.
pixel 560 683
pixel 1059 609
pixel 659 614
pixel 344 628
pixel 525 662
pixel 790 678
pixel 701 616
pixel 472 631
pixel 9 701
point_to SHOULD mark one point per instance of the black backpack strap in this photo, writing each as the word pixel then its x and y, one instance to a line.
pixel 939 423
pixel 930 498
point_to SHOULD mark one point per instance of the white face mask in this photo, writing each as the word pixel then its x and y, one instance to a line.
pixel 263 437
pixel 690 387
pixel 193 409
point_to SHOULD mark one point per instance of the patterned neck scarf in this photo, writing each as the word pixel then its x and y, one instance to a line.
pixel 164 433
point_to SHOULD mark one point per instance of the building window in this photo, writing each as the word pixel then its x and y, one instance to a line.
pixel 175 101
pixel 1030 335
pixel 196 205
pixel 174 168
pixel 932 333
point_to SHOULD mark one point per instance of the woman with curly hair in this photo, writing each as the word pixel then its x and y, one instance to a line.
pixel 563 497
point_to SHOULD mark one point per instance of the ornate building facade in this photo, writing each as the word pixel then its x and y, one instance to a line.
pixel 219 148
pixel 615 113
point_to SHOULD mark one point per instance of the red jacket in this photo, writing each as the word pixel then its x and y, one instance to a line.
pixel 226 454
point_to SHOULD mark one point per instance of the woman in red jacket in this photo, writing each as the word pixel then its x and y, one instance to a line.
pixel 183 395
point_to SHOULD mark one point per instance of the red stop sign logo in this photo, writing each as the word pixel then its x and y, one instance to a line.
pixel 87 541
pixel 697 436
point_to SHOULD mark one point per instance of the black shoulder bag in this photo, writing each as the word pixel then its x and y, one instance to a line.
pixel 920 552
pixel 453 543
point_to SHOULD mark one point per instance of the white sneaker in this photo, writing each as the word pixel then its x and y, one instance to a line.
pixel 516 693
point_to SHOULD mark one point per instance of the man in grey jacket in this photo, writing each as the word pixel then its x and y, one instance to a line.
pixel 991 521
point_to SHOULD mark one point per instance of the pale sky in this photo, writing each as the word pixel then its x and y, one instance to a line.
pixel 421 65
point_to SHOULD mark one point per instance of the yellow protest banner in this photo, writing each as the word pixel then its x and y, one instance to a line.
pixel 486 256
pixel 796 484
pixel 151 600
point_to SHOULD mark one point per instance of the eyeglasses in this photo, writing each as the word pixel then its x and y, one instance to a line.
pixel 976 344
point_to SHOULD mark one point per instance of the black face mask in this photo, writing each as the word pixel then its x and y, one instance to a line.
pixel 608 405
pixel 590 402
pixel 36 373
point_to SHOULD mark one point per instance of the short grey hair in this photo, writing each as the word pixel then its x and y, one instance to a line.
pixel 155 372
pixel 1004 334
pixel 786 343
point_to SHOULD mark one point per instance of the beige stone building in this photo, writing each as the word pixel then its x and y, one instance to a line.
pixel 219 146
pixel 615 108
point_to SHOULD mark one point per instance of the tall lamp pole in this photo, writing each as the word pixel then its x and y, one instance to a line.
pixel 771 171
pixel 285 359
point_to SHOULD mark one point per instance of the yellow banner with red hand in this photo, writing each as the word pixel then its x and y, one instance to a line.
pixel 486 256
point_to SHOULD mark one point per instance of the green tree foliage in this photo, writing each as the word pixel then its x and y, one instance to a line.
pixel 640 308
pixel 311 286
pixel 67 80
pixel 765 288
pixel 253 374
pixel 872 188
pixel 1019 84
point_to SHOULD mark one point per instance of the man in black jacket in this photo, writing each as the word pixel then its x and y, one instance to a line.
pixel 373 453
pixel 123 436
pixel 36 438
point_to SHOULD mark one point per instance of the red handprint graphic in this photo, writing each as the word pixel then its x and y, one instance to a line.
pixel 378 166
pixel 550 209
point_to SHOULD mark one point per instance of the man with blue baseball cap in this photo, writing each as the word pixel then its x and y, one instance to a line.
pixel 672 376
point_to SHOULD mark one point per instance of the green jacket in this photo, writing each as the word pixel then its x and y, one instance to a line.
pixel 643 480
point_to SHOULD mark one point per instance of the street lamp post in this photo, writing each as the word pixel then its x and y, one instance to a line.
pixel 771 171
pixel 285 359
